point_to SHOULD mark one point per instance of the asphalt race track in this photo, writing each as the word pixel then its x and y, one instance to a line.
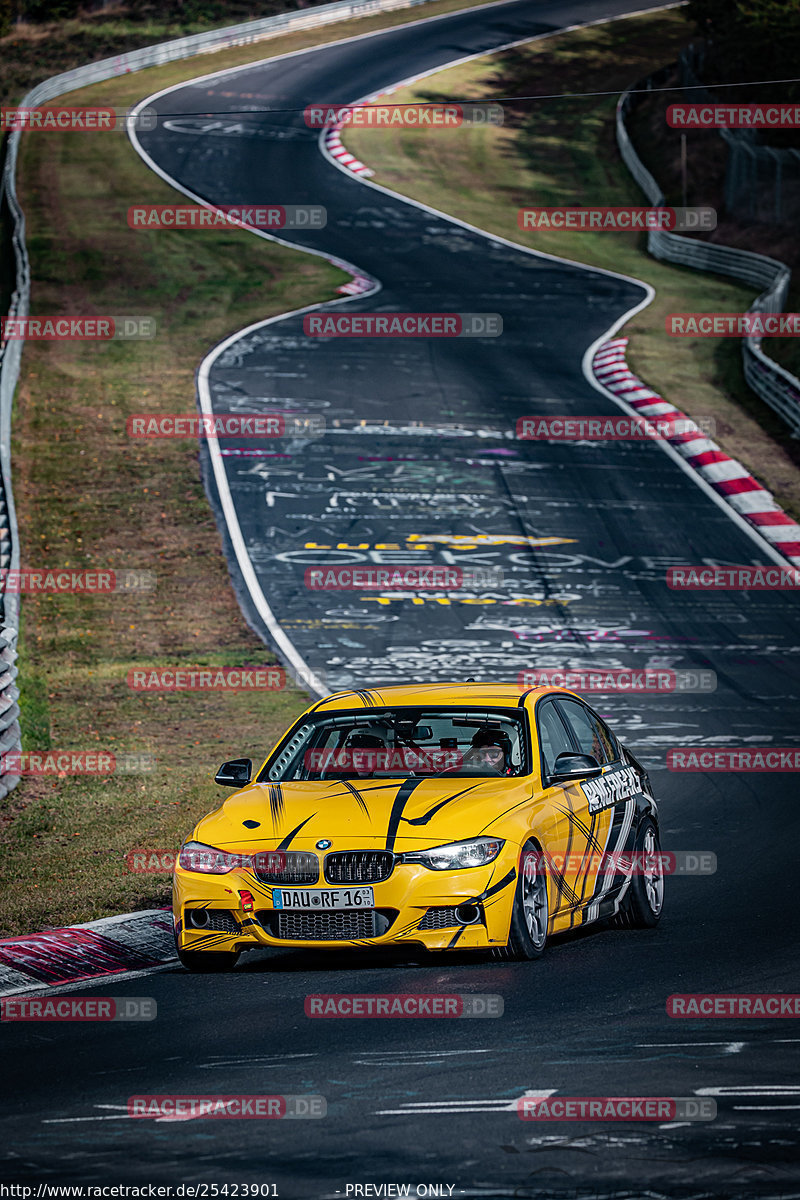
pixel 419 451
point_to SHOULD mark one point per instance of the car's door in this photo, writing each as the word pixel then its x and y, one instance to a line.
pixel 567 836
pixel 605 807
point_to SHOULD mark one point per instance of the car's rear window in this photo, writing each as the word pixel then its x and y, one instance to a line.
pixel 403 742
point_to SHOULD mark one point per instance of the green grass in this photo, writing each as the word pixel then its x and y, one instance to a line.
pixel 562 152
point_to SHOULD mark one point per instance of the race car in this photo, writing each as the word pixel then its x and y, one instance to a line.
pixel 448 816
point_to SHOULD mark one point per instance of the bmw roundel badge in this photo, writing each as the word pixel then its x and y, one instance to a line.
pixel 323 844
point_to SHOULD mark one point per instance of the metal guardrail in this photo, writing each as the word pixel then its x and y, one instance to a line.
pixel 775 385
pixel 11 351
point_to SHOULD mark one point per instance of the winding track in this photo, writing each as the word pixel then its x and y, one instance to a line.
pixel 589 1018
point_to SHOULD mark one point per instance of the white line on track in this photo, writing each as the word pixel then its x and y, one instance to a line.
pixel 454 1107
pixel 730 1047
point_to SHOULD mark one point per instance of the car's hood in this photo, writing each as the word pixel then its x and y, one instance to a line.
pixel 369 813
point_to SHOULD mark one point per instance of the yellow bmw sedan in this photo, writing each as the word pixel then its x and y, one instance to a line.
pixel 445 816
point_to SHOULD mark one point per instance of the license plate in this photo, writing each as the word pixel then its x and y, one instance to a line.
pixel 322 898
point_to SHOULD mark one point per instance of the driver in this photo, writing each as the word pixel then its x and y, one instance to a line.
pixel 490 752
pixel 366 741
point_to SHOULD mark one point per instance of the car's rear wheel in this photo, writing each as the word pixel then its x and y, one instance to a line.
pixel 531 913
pixel 643 902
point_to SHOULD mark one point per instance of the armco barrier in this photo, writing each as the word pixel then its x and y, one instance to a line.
pixel 11 351
pixel 775 385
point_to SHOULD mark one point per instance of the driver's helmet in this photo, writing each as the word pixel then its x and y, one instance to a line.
pixel 366 741
pixel 375 735
pixel 494 737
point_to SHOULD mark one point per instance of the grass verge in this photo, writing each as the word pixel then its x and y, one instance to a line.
pixel 563 152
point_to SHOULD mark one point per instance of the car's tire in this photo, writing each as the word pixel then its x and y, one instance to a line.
pixel 529 918
pixel 204 962
pixel 643 902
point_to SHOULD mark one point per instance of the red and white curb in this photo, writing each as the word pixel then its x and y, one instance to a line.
pixel 131 942
pixel 333 144
pixel 357 285
pixel 727 476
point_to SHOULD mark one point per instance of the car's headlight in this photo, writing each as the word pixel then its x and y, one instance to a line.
pixel 457 855
pixel 194 856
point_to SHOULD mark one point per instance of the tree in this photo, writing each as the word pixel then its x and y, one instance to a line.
pixel 750 40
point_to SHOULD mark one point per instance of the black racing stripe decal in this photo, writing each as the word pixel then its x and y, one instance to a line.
pixel 562 887
pixel 214 939
pixel 425 818
pixel 499 816
pixel 594 842
pixel 455 937
pixel 263 889
pixel 276 803
pixel 354 791
pixel 287 841
pixel 587 855
pixel 405 790
pixel 496 887
pixel 376 787
pixel 367 698
pixel 327 699
pixel 617 821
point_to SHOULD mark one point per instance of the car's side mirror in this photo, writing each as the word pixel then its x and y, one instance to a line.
pixel 234 773
pixel 568 767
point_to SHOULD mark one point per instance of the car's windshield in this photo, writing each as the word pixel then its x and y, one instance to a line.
pixel 401 742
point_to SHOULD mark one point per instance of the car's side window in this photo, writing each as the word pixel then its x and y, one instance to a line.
pixel 593 737
pixel 609 741
pixel 554 737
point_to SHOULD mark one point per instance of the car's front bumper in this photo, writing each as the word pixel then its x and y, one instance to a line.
pixel 413 898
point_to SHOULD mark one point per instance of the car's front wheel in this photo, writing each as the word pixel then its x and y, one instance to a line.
pixel 529 918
